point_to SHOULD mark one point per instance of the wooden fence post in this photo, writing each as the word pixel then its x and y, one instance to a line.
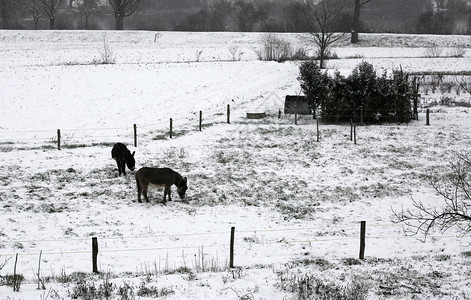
pixel 39 269
pixel 58 139
pixel 362 239
pixel 351 130
pixel 296 118
pixel 228 114
pixel 95 254
pixel 171 128
pixel 201 119
pixel 427 117
pixel 231 249
pixel 317 124
pixel 279 114
pixel 135 135
pixel 16 284
pixel 355 134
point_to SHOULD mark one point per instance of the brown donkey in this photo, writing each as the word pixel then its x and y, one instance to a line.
pixel 163 177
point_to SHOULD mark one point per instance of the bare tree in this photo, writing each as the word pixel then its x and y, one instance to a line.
pixel 86 9
pixel 246 14
pixel 36 8
pixel 50 7
pixel 356 19
pixel 123 9
pixel 455 189
pixel 324 17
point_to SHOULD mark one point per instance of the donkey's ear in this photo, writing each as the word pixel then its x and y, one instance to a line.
pixel 134 152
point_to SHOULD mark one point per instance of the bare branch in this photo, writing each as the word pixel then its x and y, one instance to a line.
pixel 455 190
pixel 123 9
pixel 4 263
pixel 464 85
pixel 323 19
pixel 35 7
pixel 111 2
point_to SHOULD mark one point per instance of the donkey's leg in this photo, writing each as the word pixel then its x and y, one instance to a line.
pixel 166 191
pixel 119 166
pixel 144 190
pixel 123 167
pixel 139 191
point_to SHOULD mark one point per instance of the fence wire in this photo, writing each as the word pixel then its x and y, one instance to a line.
pixel 9 135
pixel 255 231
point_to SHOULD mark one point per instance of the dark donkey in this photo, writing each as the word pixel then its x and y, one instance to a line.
pixel 163 177
pixel 123 157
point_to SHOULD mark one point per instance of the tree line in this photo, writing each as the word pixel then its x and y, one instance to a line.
pixel 398 16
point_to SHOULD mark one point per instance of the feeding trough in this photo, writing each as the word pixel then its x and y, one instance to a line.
pixel 256 115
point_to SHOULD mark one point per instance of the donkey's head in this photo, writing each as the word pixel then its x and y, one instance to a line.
pixel 182 187
pixel 130 161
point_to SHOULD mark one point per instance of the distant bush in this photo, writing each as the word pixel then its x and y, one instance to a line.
pixel 363 94
pixel 433 52
pixel 107 55
pixel 154 292
pixel 328 54
pixel 300 54
pixel 89 290
pixel 236 53
pixel 274 48
pixel 456 52
pixel 13 281
pixel 309 286
pixel 450 102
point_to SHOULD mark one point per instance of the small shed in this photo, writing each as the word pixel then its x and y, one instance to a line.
pixel 297 104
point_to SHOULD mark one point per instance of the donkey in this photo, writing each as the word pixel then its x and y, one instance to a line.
pixel 160 177
pixel 123 157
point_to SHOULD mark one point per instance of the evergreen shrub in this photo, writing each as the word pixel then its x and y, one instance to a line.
pixel 363 94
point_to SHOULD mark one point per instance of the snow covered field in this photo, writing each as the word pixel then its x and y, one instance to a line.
pixel 296 203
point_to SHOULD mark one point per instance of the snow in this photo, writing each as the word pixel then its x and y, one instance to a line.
pixel 291 199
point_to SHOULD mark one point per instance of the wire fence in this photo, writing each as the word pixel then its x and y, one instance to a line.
pixel 172 127
pixel 69 136
pixel 177 235
pixel 247 243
